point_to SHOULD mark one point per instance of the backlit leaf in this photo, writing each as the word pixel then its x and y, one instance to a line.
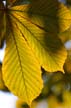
pixel 31 43
pixel 50 56
pixel 21 70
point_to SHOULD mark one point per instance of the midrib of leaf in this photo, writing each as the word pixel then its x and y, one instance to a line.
pixel 10 25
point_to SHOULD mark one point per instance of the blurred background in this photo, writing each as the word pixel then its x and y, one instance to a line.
pixel 57 86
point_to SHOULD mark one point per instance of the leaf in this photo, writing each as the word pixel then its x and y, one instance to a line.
pixel 51 15
pixel 2 24
pixel 43 44
pixel 30 45
pixel 21 70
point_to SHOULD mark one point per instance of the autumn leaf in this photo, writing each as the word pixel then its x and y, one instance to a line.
pixel 31 43
pixel 23 68
pixel 42 42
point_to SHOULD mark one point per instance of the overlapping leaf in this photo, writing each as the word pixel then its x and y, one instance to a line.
pixel 54 15
pixel 32 42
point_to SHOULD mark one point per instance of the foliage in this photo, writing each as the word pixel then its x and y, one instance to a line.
pixel 35 33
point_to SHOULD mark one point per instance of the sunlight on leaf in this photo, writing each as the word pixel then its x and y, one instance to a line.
pixel 43 44
pixel 21 72
pixel 32 42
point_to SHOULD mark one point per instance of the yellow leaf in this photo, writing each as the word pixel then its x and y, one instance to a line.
pixel 31 43
pixel 21 69
pixel 43 44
